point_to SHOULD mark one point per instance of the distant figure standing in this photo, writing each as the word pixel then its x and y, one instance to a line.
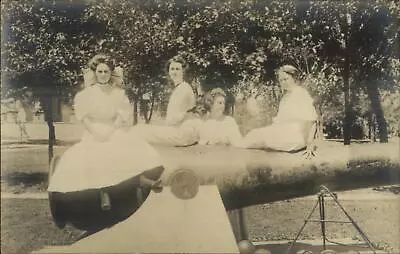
pixel 21 119
pixel 37 109
pixel 8 109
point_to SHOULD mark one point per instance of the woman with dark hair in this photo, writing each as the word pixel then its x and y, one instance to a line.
pixel 182 99
pixel 218 128
pixel 94 183
pixel 180 128
pixel 294 126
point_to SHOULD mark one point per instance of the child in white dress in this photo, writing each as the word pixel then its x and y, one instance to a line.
pixel 218 128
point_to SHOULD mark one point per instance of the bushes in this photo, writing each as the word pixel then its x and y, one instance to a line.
pixel 391 107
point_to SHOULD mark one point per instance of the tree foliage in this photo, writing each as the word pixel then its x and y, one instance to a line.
pixel 233 44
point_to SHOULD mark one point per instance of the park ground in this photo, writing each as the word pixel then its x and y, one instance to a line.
pixel 26 223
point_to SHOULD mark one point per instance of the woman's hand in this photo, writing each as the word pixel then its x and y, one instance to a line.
pixel 203 142
pixel 309 131
pixel 100 138
pixel 103 137
pixel 93 131
pixel 310 151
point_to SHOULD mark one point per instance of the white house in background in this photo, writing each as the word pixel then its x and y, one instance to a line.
pixel 62 112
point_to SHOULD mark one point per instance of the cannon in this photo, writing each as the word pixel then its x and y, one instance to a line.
pixel 243 177
pixel 94 209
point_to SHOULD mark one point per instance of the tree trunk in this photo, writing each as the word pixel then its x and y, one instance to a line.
pixel 47 106
pixel 52 138
pixel 135 112
pixel 151 108
pixel 145 110
pixel 320 128
pixel 347 121
pixel 371 127
pixel 374 96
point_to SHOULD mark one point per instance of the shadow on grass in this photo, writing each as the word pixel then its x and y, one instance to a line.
pixel 39 142
pixel 37 229
pixel 393 189
pixel 25 179
pixel 282 248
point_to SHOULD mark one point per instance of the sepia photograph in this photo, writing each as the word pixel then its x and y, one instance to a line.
pixel 200 126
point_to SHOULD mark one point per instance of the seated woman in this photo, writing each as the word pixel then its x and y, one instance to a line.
pixel 294 126
pixel 182 99
pixel 181 122
pixel 95 182
pixel 218 128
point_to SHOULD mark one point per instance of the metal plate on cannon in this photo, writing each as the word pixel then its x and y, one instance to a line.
pixel 184 184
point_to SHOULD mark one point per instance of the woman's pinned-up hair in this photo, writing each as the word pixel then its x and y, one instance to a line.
pixel 291 70
pixel 182 61
pixel 211 95
pixel 101 58
pixel 89 75
pixel 177 59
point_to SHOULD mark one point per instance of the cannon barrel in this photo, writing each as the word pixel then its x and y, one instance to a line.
pixel 250 177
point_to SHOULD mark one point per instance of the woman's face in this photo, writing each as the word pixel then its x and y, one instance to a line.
pixel 176 72
pixel 103 73
pixel 286 81
pixel 218 106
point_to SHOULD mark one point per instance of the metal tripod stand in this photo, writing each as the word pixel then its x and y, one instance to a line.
pixel 325 192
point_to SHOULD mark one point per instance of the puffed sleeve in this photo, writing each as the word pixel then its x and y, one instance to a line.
pixel 306 110
pixel 296 106
pixel 124 106
pixel 190 99
pixel 81 106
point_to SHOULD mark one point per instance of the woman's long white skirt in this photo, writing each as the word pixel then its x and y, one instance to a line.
pixel 92 165
pixel 286 137
pixel 89 171
pixel 186 134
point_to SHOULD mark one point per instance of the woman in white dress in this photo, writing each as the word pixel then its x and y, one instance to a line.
pixel 95 181
pixel 218 128
pixel 294 126
pixel 180 128
pixel 182 99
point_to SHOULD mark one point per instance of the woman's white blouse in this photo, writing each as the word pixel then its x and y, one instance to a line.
pixel 223 132
pixel 91 164
pixel 181 100
pixel 96 104
pixel 296 105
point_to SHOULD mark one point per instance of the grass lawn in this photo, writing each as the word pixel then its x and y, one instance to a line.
pixel 26 225
pixel 379 219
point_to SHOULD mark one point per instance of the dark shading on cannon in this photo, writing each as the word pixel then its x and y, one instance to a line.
pixel 95 209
